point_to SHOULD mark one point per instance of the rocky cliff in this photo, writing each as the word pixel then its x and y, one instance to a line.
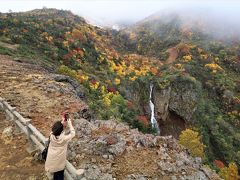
pixel 111 150
pixel 176 104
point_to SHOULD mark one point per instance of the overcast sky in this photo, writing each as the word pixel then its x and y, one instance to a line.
pixel 122 10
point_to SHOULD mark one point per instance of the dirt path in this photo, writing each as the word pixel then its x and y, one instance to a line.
pixel 15 162
pixel 173 54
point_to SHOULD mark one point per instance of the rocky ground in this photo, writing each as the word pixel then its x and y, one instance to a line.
pixel 104 149
pixel 111 150
pixel 35 93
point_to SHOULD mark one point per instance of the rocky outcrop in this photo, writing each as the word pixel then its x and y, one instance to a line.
pixel 180 97
pixel 174 104
pixel 184 97
pixel 161 101
pixel 109 150
pixel 74 83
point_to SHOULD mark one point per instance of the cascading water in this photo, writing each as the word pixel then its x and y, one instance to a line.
pixel 153 119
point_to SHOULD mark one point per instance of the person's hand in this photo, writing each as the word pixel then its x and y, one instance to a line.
pixel 69 121
pixel 64 123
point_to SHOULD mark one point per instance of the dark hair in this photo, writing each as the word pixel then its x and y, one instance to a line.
pixel 57 128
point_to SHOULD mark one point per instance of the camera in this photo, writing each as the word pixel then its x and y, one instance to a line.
pixel 66 116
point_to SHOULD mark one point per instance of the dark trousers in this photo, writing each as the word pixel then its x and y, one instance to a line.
pixel 58 175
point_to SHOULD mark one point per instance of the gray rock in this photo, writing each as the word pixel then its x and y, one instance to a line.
pixel 110 124
pixel 105 156
pixel 167 166
pixel 93 160
pixel 92 172
pixel 135 177
pixel 121 127
pixel 7 132
pixel 74 83
pixel 199 175
pixel 84 127
pixel 179 163
pixel 163 154
pixel 183 157
pixel 211 174
pixel 110 157
pixel 118 148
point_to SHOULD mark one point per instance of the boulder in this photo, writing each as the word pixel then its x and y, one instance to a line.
pixel 198 175
pixel 167 167
pixel 84 127
pixel 118 148
pixel 74 83
pixel 136 177
pixel 93 172
pixel 7 134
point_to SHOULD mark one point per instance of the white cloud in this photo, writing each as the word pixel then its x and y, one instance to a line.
pixel 117 10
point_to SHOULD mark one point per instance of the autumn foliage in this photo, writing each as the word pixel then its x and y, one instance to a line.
pixel 219 164
pixel 191 140
pixel 230 172
pixel 144 120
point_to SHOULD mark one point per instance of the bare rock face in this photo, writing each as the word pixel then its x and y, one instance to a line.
pixel 161 100
pixel 7 134
pixel 181 98
pixel 184 98
pixel 74 83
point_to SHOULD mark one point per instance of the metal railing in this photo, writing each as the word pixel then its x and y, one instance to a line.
pixel 35 137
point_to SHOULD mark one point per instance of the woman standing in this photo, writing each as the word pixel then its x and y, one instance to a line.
pixel 57 150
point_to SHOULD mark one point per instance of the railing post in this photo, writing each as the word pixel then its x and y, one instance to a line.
pixel 4 108
pixel 11 113
pixel 31 147
pixel 1 102
pixel 17 128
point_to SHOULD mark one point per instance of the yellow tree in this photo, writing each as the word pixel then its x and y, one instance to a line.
pixel 191 140
pixel 230 172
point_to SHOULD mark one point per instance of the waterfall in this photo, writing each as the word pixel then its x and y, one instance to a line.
pixel 153 119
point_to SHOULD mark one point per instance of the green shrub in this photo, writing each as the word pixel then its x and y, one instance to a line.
pixel 6 51
pixel 67 71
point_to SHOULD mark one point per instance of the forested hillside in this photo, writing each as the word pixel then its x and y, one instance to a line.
pixel 210 62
